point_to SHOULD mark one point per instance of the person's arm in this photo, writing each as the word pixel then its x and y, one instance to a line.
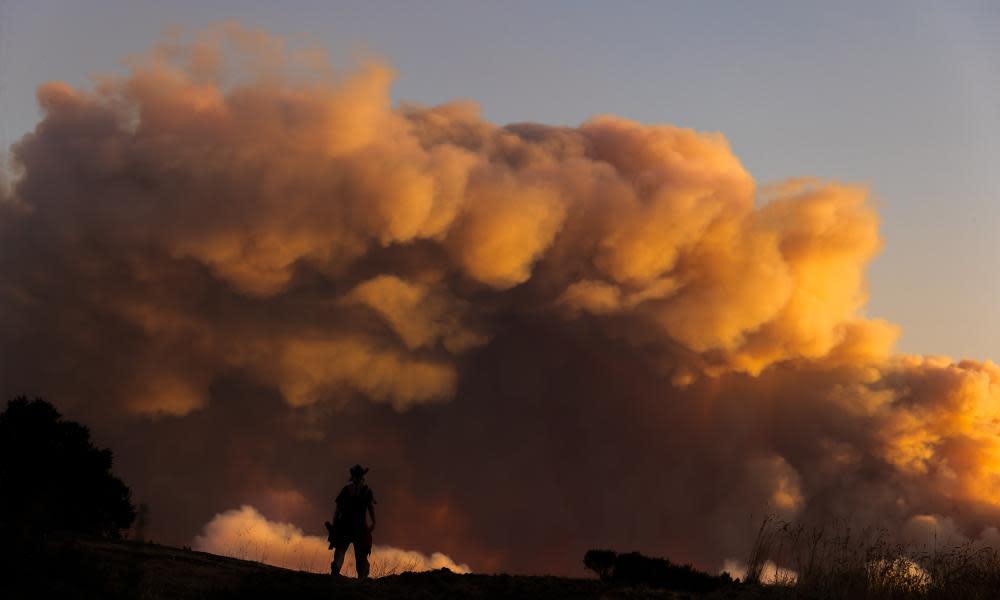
pixel 336 503
pixel 371 512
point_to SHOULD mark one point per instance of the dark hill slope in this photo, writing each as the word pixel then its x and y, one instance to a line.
pixel 110 570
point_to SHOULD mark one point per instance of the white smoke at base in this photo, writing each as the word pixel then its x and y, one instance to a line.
pixel 770 573
pixel 246 534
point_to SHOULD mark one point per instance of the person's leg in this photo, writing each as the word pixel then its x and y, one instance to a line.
pixel 338 557
pixel 361 551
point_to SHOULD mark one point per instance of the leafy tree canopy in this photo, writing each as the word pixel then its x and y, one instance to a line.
pixel 52 478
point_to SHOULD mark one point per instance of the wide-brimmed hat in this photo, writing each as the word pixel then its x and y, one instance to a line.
pixel 358 471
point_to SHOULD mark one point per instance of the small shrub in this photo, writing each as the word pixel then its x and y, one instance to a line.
pixel 601 562
pixel 635 569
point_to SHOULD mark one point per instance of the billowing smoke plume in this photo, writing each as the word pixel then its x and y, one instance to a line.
pixel 246 534
pixel 250 271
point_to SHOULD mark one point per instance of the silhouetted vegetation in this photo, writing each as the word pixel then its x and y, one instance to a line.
pixel 52 478
pixel 840 562
pixel 633 569
pixel 601 562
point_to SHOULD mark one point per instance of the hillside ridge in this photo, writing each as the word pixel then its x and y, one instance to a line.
pixel 121 569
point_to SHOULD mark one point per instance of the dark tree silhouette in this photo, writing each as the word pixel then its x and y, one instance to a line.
pixel 52 478
pixel 601 562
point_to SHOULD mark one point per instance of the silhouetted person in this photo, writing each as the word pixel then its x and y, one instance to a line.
pixel 350 525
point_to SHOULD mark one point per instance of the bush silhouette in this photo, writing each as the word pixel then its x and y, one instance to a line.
pixel 635 569
pixel 52 478
pixel 601 562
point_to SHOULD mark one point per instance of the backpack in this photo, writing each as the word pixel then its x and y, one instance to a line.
pixel 352 508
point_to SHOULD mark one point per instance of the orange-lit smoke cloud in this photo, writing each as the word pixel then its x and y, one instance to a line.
pixel 573 308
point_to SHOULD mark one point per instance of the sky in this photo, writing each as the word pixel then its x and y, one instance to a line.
pixel 531 263
pixel 901 96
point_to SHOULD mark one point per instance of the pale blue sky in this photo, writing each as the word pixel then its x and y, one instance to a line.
pixel 902 96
